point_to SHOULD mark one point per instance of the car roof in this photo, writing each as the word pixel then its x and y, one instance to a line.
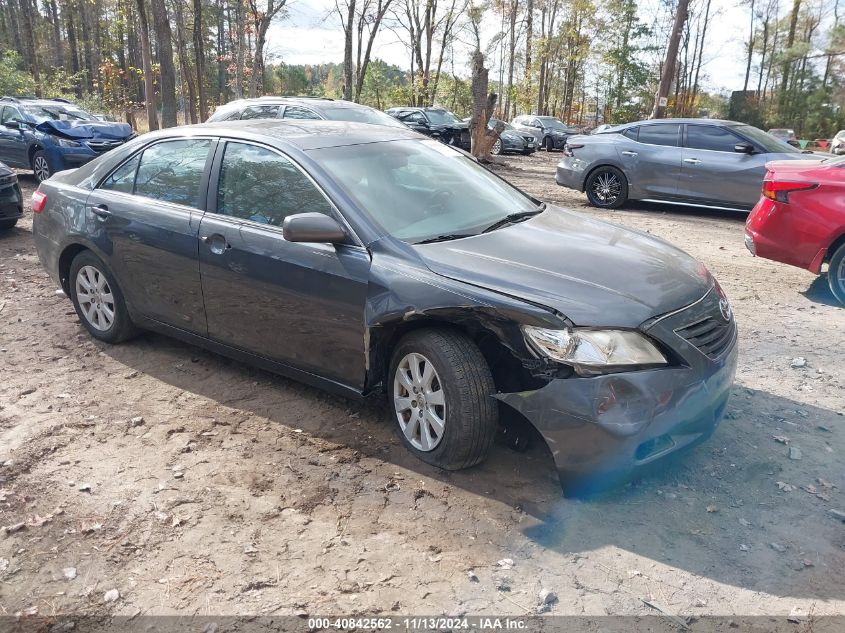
pixel 304 135
pixel 313 102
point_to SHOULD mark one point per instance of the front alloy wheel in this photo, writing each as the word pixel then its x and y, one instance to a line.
pixel 441 398
pixel 419 401
pixel 40 167
pixel 497 147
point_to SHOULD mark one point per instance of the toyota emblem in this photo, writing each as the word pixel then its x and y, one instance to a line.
pixel 725 309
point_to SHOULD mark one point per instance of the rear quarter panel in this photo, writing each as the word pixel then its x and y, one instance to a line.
pixel 597 150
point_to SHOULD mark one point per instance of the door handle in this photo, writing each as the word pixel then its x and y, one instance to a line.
pixel 629 153
pixel 100 210
pixel 217 244
pixel 692 161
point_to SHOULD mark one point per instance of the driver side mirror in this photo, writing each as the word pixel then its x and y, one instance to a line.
pixel 313 227
pixel 744 148
pixel 13 125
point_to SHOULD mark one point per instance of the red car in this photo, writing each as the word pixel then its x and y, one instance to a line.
pixel 800 218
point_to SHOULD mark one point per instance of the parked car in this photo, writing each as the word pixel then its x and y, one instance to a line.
pixel 49 135
pixel 786 135
pixel 11 201
pixel 550 132
pixel 800 218
pixel 396 265
pixel 698 162
pixel 436 123
pixel 301 108
pixel 512 141
pixel 837 145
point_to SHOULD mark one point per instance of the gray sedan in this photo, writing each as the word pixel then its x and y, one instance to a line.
pixel 697 162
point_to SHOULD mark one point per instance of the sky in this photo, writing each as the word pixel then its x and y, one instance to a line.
pixel 311 34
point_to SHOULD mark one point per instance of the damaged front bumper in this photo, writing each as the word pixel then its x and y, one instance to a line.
pixel 602 429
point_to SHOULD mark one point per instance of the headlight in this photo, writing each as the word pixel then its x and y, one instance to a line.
pixel 594 349
pixel 66 142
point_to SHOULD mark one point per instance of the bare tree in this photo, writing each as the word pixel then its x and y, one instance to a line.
pixel 671 57
pixel 261 19
pixel 147 60
pixel 199 50
pixel 164 41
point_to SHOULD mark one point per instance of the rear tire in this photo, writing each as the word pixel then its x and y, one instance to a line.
pixel 41 166
pixel 460 379
pixel 836 274
pixel 607 188
pixel 7 225
pixel 548 143
pixel 98 300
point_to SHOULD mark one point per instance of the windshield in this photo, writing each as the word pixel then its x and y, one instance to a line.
pixel 766 140
pixel 418 190
pixel 360 115
pixel 441 117
pixel 52 112
pixel 550 121
pixel 494 122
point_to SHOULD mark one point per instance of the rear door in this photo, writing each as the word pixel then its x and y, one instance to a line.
pixel 295 303
pixel 652 163
pixel 713 173
pixel 145 216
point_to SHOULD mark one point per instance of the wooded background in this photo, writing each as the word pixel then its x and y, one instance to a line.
pixel 586 61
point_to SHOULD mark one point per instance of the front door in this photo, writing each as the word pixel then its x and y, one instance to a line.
pixel 714 173
pixel 13 146
pixel 295 303
pixel 145 217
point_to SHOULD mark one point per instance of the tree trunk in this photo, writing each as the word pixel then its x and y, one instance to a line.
pixel 185 67
pixel 147 60
pixel 529 36
pixel 164 41
pixel 750 50
pixel 483 105
pixel 347 50
pixel 199 52
pixel 31 50
pixel 787 62
pixel 58 52
pixel 256 79
pixel 671 57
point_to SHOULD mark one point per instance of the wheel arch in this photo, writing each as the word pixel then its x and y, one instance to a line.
pixel 834 246
pixel 34 147
pixel 66 258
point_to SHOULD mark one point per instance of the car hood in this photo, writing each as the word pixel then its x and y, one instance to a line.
pixel 593 272
pixel 86 129
pixel 457 125
pixel 511 135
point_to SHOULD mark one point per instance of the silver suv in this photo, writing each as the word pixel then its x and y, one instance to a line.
pixel 550 132
pixel 698 162
pixel 302 108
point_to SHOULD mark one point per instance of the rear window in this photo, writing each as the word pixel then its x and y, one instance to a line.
pixel 631 133
pixel 660 134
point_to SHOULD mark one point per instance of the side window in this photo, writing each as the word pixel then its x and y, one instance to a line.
pixel 660 134
pixel 261 112
pixel 710 137
pixel 123 178
pixel 414 117
pixel 297 112
pixel 536 123
pixel 631 133
pixel 262 186
pixel 10 114
pixel 172 171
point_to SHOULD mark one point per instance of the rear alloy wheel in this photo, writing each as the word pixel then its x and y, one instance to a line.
pixel 607 188
pixel 836 274
pixel 98 300
pixel 497 147
pixel 41 166
pixel 441 397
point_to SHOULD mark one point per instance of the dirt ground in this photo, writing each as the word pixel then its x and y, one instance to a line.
pixel 192 484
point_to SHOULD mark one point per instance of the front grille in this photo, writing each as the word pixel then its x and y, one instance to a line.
pixel 712 335
pixel 103 146
pixel 528 139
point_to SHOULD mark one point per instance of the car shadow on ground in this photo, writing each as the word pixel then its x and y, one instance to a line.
pixel 718 503
pixel 819 292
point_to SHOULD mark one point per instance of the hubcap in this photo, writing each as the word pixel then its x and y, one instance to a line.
pixel 95 298
pixel 606 188
pixel 419 401
pixel 41 168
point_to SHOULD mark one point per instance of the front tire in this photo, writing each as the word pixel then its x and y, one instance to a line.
pixel 607 188
pixel 440 395
pixel 836 274
pixel 548 143
pixel 98 300
pixel 497 147
pixel 41 166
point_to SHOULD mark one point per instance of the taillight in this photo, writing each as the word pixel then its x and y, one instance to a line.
pixel 567 149
pixel 779 189
pixel 39 199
